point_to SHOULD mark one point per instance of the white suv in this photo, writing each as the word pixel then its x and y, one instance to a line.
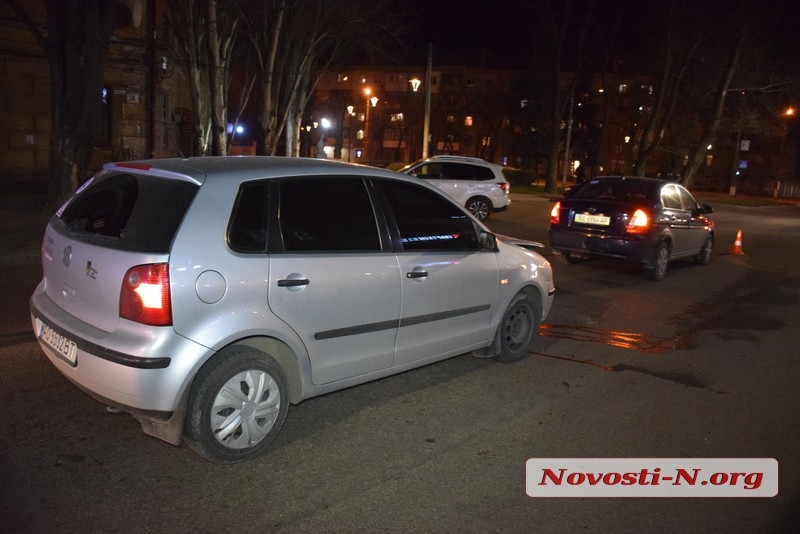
pixel 474 183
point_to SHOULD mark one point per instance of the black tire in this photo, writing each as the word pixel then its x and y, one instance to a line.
pixel 517 331
pixel 480 207
pixel 575 258
pixel 659 262
pixel 704 256
pixel 237 405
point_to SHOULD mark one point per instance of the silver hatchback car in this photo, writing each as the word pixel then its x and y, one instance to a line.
pixel 205 295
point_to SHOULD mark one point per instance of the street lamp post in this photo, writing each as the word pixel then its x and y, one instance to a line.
pixel 350 113
pixel 427 124
pixel 415 83
pixel 788 114
pixel 373 100
pixel 324 124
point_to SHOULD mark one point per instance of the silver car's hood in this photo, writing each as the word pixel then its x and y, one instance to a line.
pixel 524 243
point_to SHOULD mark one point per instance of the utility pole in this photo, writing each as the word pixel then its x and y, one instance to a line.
pixel 566 148
pixel 427 124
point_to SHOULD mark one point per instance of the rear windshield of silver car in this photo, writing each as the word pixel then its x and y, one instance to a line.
pixel 130 212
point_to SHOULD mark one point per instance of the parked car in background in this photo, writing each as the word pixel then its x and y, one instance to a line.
pixel 647 220
pixel 205 295
pixel 474 183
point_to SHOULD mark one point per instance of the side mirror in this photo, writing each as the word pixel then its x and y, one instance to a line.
pixel 703 209
pixel 487 241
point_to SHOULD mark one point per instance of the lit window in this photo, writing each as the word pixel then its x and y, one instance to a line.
pixel 468 121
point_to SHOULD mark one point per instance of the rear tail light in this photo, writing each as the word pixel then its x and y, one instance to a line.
pixel 503 186
pixel 639 223
pixel 554 214
pixel 145 295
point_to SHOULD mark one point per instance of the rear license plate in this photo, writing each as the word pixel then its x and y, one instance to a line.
pixel 61 345
pixel 585 218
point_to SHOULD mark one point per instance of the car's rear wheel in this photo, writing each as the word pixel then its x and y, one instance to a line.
pixel 237 405
pixel 659 262
pixel 480 207
pixel 517 330
pixel 704 256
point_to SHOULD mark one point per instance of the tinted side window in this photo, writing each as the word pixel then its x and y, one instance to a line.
pixel 429 171
pixel 130 212
pixel 426 220
pixel 484 174
pixel 459 171
pixel 248 228
pixel 327 214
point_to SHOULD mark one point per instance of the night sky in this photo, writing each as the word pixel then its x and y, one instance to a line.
pixel 462 31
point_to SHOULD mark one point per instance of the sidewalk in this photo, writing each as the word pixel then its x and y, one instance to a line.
pixel 24 217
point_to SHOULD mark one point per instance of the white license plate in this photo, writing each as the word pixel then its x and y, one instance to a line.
pixel 61 345
pixel 585 218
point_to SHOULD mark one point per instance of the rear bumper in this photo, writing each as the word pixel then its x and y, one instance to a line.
pixel 632 248
pixel 139 369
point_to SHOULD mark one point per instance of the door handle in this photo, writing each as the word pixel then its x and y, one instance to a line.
pixel 293 282
pixel 417 274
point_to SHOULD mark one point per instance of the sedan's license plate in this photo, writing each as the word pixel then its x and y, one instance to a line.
pixel 585 218
pixel 61 345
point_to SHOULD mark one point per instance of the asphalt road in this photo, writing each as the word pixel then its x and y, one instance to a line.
pixel 703 364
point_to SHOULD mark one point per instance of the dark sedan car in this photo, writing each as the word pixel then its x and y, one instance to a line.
pixel 647 220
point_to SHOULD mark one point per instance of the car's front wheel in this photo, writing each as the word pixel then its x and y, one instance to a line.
pixel 237 405
pixel 659 263
pixel 480 207
pixel 517 330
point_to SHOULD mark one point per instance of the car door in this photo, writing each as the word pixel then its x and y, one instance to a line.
pixel 676 218
pixel 697 228
pixel 449 286
pixel 331 278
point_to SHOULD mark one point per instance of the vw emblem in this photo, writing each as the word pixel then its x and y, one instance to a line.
pixel 67 258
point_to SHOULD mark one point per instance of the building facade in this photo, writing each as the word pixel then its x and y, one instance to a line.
pixel 145 101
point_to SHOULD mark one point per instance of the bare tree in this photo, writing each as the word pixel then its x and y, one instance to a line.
pixel 561 23
pixel 700 57
pixel 296 41
pixel 189 29
pixel 205 32
pixel 75 38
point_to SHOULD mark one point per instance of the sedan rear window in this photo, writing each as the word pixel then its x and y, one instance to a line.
pixel 128 212
pixel 621 190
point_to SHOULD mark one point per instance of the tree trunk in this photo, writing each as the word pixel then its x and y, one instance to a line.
pixel 76 46
pixel 710 132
